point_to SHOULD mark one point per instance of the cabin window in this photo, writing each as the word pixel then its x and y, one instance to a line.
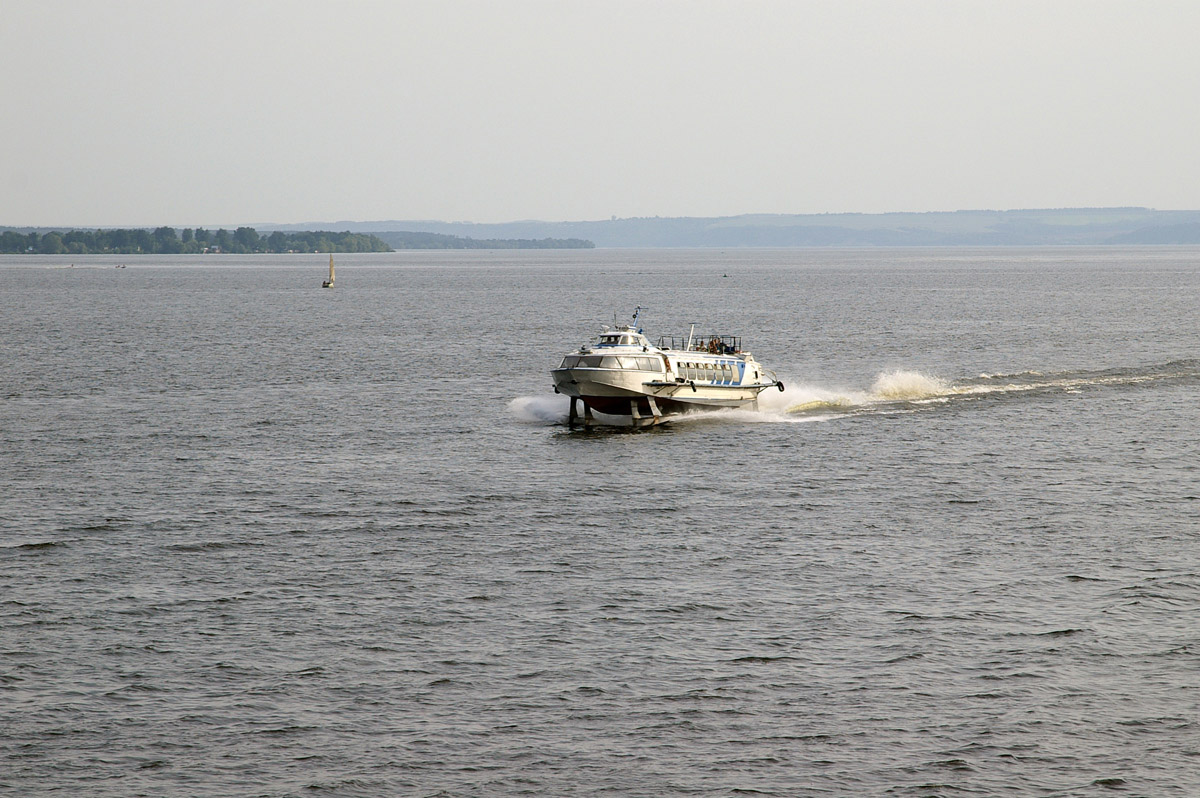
pixel 570 362
pixel 647 364
pixel 610 363
pixel 591 361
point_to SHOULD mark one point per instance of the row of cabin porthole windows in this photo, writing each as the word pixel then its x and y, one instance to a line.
pixel 722 373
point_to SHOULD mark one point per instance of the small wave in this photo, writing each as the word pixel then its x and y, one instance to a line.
pixel 950 764
pixel 35 546
pixel 108 525
pixel 1058 633
pixel 209 545
pixel 283 730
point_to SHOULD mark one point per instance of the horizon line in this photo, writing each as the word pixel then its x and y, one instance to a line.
pixel 531 220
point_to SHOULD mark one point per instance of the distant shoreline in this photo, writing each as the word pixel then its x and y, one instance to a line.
pixel 974 228
pixel 244 241
pixel 192 241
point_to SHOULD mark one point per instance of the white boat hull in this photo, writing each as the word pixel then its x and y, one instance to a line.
pixel 612 391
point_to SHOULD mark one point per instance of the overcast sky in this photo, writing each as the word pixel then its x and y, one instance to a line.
pixel 251 111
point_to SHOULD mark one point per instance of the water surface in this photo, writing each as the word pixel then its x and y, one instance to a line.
pixel 264 539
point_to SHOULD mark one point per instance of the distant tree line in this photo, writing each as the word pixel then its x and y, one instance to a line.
pixel 167 241
pixel 403 240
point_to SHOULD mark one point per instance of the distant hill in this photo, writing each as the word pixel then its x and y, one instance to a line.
pixel 418 240
pixel 1047 227
pixel 1166 234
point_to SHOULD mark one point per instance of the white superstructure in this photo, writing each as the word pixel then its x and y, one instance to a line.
pixel 623 374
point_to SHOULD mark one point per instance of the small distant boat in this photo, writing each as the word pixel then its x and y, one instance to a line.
pixel 329 283
pixel 626 375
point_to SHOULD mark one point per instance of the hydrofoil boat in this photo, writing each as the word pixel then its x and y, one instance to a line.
pixel 623 374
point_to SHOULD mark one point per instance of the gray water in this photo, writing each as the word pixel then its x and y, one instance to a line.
pixel 260 539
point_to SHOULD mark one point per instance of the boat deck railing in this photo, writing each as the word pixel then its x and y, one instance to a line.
pixel 714 344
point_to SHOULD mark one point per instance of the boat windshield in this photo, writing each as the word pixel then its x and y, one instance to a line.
pixel 619 339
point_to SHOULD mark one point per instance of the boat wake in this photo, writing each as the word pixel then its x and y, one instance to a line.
pixel 894 391
pixel 891 390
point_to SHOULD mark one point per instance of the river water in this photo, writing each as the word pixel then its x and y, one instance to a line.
pixel 260 539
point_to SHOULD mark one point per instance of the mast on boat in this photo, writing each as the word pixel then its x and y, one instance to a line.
pixel 329 283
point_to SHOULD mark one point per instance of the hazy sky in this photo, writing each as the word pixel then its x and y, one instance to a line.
pixel 250 111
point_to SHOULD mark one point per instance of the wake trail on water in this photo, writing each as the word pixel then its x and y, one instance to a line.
pixel 800 402
pixel 894 391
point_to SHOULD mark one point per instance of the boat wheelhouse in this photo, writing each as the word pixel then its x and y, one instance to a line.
pixel 624 374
